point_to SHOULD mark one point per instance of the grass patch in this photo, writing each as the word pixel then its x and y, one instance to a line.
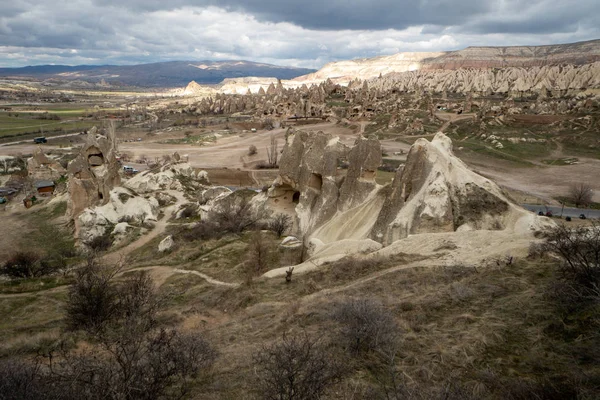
pixel 33 285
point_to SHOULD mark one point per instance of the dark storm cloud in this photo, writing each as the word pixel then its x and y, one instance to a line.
pixel 303 33
pixel 335 14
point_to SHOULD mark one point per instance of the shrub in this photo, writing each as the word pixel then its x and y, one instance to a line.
pixel 128 358
pixel 280 224
pixel 93 298
pixel 252 150
pixel 103 242
pixel 297 367
pixel 189 211
pixel 26 265
pixel 365 325
pixel 579 250
pixel 236 213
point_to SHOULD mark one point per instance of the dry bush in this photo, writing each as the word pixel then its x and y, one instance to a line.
pixel 365 325
pixel 93 297
pixel 280 224
pixel 579 249
pixel 101 243
pixel 23 380
pixel 129 357
pixel 189 211
pixel 298 367
pixel 25 265
pixel 259 255
pixel 252 150
pixel 135 365
pixel 235 214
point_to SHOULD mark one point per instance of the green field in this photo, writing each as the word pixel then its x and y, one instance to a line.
pixel 21 120
pixel 24 124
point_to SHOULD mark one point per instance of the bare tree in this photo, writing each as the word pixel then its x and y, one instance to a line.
pixel 93 298
pixel 128 356
pixel 133 365
pixel 259 255
pixel 581 194
pixel 298 368
pixel 272 152
pixel 280 224
pixel 236 213
pixel 268 124
pixel 579 249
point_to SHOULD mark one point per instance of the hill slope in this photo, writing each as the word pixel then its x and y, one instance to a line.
pixel 472 57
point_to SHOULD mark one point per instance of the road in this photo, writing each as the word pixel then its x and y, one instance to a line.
pixel 566 212
pixel 30 141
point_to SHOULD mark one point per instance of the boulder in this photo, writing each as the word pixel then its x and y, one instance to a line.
pixel 166 244
pixel 123 206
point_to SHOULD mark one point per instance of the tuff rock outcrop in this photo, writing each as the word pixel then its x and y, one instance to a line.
pixel 93 173
pixel 166 177
pixel 437 192
pixel 40 166
pixel 309 175
pixel 123 206
pixel 434 192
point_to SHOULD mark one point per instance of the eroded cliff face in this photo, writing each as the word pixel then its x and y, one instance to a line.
pixel 93 174
pixel 554 80
pixel 434 192
pixel 309 175
pixel 437 192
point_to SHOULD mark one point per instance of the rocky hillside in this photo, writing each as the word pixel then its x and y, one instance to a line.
pixel 556 80
pixel 472 57
pixel 365 68
pixel 517 56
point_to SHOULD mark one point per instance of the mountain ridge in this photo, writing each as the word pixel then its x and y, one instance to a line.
pixel 161 74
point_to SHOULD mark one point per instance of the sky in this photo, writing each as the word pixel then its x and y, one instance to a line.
pixel 303 33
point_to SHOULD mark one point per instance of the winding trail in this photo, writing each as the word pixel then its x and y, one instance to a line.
pixel 206 277
pixel 159 228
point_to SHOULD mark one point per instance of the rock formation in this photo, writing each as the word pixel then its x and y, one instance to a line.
pixel 309 175
pixel 40 166
pixel 434 192
pixel 437 192
pixel 166 178
pixel 122 207
pixel 93 174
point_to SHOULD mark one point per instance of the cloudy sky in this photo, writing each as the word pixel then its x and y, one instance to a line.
pixel 307 33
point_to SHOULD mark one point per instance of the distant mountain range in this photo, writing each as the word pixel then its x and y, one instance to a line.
pixel 163 74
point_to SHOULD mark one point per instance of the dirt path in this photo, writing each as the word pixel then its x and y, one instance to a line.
pixel 206 277
pixel 159 228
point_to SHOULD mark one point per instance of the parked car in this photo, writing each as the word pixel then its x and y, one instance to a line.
pixel 40 140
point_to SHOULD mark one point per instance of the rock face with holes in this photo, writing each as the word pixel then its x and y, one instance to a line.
pixel 310 176
pixel 93 174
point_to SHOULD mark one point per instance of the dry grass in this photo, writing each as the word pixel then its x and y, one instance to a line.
pixel 485 332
